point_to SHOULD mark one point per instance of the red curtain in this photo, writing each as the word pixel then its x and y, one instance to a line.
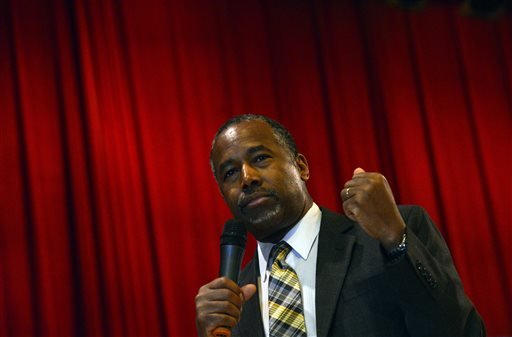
pixel 109 215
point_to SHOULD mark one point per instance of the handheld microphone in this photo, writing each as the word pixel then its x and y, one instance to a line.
pixel 232 248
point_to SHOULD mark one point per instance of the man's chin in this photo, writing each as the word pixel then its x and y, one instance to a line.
pixel 262 217
pixel 263 224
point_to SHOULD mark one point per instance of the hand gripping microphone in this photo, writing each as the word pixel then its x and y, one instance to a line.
pixel 232 248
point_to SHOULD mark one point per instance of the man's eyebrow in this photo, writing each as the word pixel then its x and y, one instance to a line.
pixel 258 148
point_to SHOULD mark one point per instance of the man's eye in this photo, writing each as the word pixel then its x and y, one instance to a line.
pixel 261 157
pixel 229 173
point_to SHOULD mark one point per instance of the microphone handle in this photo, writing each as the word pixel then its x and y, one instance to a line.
pixel 231 260
pixel 222 332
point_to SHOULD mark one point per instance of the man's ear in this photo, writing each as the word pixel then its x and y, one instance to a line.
pixel 303 166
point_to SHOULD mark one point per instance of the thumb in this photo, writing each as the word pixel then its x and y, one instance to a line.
pixel 247 291
pixel 358 170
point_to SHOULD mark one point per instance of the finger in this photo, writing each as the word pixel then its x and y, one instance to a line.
pixel 348 192
pixel 358 180
pixel 367 178
pixel 358 171
pixel 224 282
pixel 205 308
pixel 213 320
pixel 348 209
pixel 362 178
pixel 220 289
pixel 222 295
pixel 248 291
pixel 222 308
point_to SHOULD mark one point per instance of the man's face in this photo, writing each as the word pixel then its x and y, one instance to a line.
pixel 261 182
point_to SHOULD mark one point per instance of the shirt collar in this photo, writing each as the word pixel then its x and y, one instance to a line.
pixel 301 237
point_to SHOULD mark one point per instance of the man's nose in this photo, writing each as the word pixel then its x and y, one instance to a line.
pixel 250 177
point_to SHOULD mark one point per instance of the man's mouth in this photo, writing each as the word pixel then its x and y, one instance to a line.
pixel 255 199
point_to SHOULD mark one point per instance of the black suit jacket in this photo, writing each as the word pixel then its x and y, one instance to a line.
pixel 360 293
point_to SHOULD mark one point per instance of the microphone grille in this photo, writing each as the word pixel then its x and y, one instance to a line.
pixel 234 233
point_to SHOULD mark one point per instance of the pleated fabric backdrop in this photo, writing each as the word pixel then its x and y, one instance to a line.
pixel 109 215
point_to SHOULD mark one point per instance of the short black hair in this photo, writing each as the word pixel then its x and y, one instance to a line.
pixel 283 136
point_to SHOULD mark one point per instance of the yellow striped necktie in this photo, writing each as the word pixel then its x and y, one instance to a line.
pixel 284 296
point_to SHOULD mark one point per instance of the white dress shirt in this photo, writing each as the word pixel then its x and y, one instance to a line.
pixel 303 238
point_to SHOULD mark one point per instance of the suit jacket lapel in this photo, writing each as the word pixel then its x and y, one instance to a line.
pixel 251 323
pixel 334 252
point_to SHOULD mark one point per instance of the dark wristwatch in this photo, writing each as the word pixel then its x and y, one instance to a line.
pixel 399 251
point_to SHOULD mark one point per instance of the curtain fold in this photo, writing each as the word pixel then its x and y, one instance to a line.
pixel 109 214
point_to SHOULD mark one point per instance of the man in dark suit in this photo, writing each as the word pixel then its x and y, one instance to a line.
pixel 381 270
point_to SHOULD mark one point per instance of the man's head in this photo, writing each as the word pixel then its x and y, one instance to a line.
pixel 282 135
pixel 261 175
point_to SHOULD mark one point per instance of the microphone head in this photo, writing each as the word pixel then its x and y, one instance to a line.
pixel 234 233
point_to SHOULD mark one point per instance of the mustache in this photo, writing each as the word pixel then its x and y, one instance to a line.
pixel 246 197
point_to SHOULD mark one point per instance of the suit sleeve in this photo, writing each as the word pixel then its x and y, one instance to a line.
pixel 426 282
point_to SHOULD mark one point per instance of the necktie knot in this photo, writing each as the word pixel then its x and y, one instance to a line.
pixel 279 253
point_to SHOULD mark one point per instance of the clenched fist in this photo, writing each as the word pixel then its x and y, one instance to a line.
pixel 368 200
pixel 219 304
